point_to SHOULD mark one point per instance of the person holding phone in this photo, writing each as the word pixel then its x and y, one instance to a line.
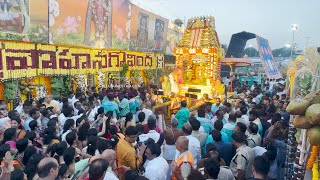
pixel 126 153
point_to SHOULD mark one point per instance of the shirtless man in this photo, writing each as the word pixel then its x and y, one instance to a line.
pixel 171 134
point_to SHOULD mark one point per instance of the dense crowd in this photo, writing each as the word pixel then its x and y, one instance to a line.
pixel 116 134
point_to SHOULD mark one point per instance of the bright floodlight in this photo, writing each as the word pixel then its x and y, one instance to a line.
pixel 294 27
pixel 250 46
pixel 288 45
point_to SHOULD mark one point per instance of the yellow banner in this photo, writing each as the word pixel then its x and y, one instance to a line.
pixel 28 60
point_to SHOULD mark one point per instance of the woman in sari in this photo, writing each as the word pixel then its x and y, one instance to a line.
pixel 16 123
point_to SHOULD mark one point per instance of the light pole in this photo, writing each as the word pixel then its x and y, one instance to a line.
pixel 294 28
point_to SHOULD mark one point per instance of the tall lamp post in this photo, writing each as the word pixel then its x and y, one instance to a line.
pixel 294 28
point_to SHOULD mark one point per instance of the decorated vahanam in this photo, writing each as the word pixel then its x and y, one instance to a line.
pixel 198 59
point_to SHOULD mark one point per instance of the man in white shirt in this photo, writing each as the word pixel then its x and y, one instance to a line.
pixel 110 156
pixel 146 109
pixel 74 98
pixel 194 143
pixel 253 139
pixel 241 117
pixel 183 163
pixel 67 114
pixel 227 110
pixel 152 132
pixel 92 114
pixel 226 81
pixel 77 108
pixel 157 167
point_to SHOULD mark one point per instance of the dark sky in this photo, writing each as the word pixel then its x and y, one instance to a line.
pixel 271 19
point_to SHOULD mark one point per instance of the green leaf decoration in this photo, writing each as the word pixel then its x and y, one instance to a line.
pixel 10 90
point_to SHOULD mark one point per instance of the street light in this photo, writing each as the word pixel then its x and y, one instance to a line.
pixel 288 45
pixel 294 28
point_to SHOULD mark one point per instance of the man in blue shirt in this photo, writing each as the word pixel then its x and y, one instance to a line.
pixel 225 149
pixel 34 115
pixel 183 114
pixel 218 125
pixel 216 106
pixel 123 105
pixel 208 106
pixel 219 117
pixel 205 123
pixel 229 127
pixel 109 105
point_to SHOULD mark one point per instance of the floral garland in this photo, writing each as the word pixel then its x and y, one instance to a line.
pixel 82 82
pixel 315 170
pixel 313 157
pixel 101 80
pixel 41 92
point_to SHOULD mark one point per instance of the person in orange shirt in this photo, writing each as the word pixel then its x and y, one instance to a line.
pixel 184 163
pixel 126 153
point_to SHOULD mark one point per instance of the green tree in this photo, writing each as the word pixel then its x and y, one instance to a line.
pixel 251 52
pixel 283 52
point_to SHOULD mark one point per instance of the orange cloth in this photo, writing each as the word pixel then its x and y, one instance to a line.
pixel 21 134
pixel 186 158
pixel 126 156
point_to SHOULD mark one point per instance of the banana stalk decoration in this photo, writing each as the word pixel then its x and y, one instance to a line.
pixel 27 87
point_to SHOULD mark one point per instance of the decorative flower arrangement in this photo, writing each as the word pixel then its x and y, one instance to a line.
pixel 57 86
pixel 315 170
pixel 123 72
pixel 41 92
pixel 313 157
pixel 150 75
pixel 101 80
pixel 82 82
pixel 10 90
pixel 134 75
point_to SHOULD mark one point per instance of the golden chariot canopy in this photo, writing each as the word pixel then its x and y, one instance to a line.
pixel 198 57
pixel 200 34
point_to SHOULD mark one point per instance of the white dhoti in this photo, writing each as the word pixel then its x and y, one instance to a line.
pixel 169 152
pixel 161 123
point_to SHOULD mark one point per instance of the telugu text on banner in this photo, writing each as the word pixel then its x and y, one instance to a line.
pixel 19 60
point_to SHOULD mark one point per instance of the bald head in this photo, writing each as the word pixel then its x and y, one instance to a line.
pixel 108 155
pixel 187 129
pixel 182 143
pixel 48 168
pixel 174 122
pixel 147 104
